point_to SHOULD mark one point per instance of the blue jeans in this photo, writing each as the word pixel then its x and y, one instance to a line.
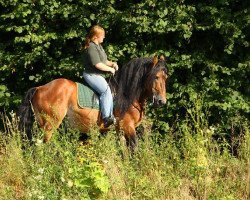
pixel 100 85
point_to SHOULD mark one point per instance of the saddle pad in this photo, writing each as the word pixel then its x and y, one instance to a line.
pixel 87 97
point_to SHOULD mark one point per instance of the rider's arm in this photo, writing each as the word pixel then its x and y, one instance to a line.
pixel 112 64
pixel 101 66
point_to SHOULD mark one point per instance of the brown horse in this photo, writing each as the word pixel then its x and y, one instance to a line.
pixel 136 81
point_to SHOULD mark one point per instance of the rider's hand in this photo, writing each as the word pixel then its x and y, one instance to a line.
pixel 115 66
pixel 112 70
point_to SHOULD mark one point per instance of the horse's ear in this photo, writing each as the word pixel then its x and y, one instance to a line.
pixel 155 60
pixel 162 57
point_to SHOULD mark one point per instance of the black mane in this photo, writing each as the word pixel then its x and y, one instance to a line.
pixel 131 79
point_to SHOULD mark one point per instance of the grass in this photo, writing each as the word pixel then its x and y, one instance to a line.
pixel 187 163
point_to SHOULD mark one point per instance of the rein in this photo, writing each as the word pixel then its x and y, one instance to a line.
pixel 140 108
pixel 113 88
pixel 109 80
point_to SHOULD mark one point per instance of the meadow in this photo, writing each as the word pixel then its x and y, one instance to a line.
pixel 189 149
pixel 186 163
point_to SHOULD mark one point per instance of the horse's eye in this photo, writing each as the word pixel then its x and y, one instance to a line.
pixel 156 78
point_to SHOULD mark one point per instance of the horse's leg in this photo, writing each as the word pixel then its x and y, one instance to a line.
pixel 130 135
pixel 50 104
pixel 47 120
pixel 129 122
pixel 48 128
pixel 128 125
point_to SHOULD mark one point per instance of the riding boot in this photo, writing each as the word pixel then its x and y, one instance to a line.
pixel 108 121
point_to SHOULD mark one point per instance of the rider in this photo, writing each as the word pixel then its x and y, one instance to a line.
pixel 96 67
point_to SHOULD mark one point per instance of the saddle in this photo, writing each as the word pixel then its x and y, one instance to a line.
pixel 86 97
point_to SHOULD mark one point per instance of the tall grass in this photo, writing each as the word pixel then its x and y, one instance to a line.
pixel 186 163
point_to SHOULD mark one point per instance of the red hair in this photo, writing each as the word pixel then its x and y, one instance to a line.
pixel 94 31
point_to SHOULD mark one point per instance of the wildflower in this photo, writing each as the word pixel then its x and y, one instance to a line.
pixel 38 142
pixel 212 129
pixel 70 170
pixel 39 177
pixel 105 161
pixel 34 192
pixel 208 131
pixel 41 170
pixel 12 114
pixel 41 197
pixel 70 183
pixel 202 158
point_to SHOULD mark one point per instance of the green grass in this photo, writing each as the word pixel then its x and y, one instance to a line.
pixel 186 163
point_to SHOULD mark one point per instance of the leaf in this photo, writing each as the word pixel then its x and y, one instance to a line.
pixel 92 17
pixel 19 29
pixel 31 78
pixel 27 39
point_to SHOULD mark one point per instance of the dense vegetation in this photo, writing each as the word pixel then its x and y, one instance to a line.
pixel 206 118
pixel 207 45
pixel 184 164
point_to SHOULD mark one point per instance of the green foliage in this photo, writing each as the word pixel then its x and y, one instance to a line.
pixel 4 95
pixel 7 98
pixel 186 163
pixel 62 169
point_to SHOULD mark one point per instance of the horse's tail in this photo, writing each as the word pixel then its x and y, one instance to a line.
pixel 25 113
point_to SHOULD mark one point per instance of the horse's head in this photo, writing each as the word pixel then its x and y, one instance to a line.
pixel 156 82
pixel 139 79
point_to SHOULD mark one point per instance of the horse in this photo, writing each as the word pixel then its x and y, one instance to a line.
pixel 134 83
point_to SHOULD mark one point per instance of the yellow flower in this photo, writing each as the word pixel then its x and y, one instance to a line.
pixel 70 183
pixel 41 170
pixel 38 142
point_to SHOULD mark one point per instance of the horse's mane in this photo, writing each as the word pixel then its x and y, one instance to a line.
pixel 131 81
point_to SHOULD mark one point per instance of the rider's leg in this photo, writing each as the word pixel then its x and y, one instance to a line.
pixel 100 85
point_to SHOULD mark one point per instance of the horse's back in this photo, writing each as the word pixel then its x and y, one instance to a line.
pixel 54 96
pixel 54 89
pixel 57 84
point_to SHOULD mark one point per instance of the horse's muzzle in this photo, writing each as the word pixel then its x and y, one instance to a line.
pixel 159 101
